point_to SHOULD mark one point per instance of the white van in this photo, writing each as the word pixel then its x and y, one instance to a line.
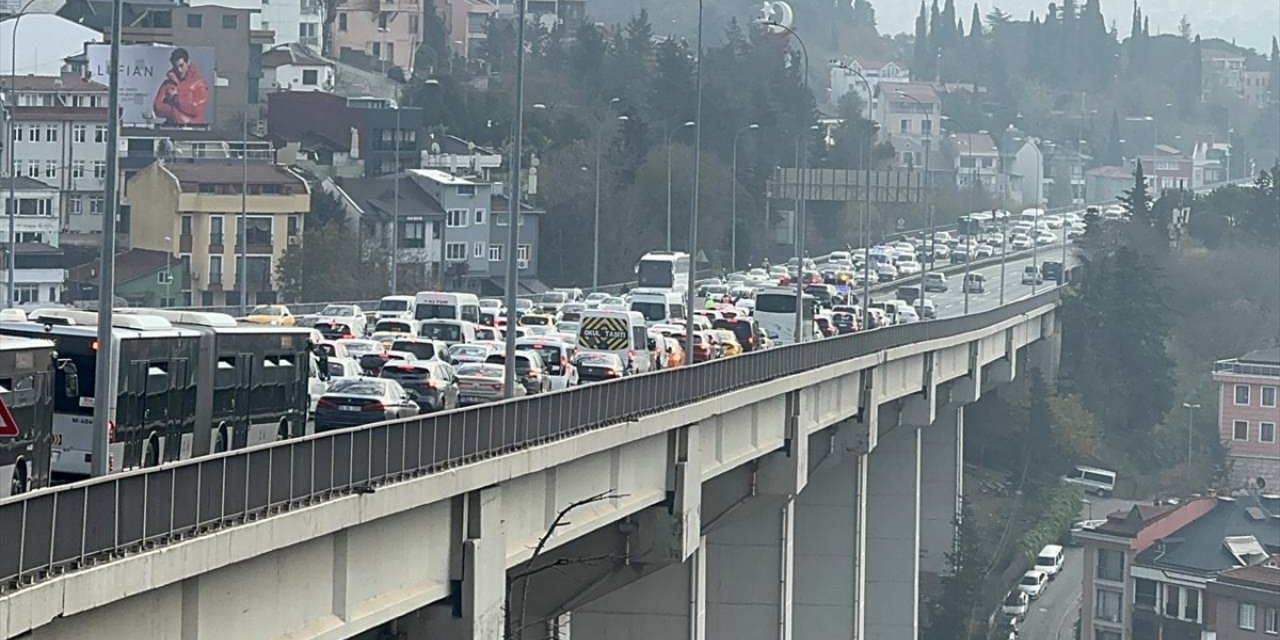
pixel 622 333
pixel 450 332
pixel 1100 482
pixel 658 306
pixel 440 305
pixel 1050 560
pixel 394 307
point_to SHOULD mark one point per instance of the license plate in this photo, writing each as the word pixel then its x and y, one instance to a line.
pixel 347 407
pixel 470 399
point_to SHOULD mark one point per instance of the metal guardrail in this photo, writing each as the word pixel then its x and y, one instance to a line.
pixel 1247 368
pixel 62 529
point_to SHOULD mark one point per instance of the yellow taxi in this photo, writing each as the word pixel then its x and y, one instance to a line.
pixel 729 344
pixel 275 314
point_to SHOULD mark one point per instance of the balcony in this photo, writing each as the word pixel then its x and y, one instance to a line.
pixel 1234 366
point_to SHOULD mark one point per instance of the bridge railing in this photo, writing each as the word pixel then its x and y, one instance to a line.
pixel 65 528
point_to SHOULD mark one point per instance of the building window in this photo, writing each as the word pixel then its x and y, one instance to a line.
pixel 96 205
pixel 1107 605
pixel 904 126
pixel 414 235
pixel 294 224
pixel 50 168
pixel 342 22
pixel 1110 565
pixel 229 21
pixel 26 293
pixel 523 252
pixel 1242 394
pixel 382 20
pixel 1267 432
pixel 258 230
pixel 17 134
pixel 1245 616
pixel 495 253
pixel 926 127
pixel 477 250
pixel 310 77
pixel 77 168
pixel 455 251
pixel 501 219
pixel 195 21
pixel 456 218
pixel 1172 600
pixel 185 224
pixel 1104 634
pixel 215 269
pixel 34 134
pixel 100 169
pixel 467 190
pixel 216 229
pixel 33 169
pixel 1268 396
pixel 99 133
pixel 51 133
pixel 478 216
pixel 413 25
pixel 1271 621
pixel 1240 430
pixel 1144 593
pixel 164 277
pixel 75 205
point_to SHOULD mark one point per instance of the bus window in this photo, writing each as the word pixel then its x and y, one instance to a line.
pixel 655 274
pixel 434 311
pixel 773 303
pixel 471 313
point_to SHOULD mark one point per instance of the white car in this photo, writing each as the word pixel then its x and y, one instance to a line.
pixel 1046 237
pixel 594 299
pixel 908 268
pixel 1053 221
pixel 886 272
pixel 1021 242
pixel 984 251
pixel 1033 583
pixel 1015 604
pixel 902 246
pixel 907 313
pixel 1072 216
pixel 348 314
pixel 1115 212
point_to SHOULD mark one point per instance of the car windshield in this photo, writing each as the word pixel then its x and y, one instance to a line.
pixel 266 310
pixel 361 346
pixel 337 369
pixel 340 310
pixel 468 351
pixel 553 297
pixel 652 311
pixel 1030 580
pixel 482 370
pixel 393 305
pixel 357 386
pixel 442 331
pixel 1014 599
pixel 423 350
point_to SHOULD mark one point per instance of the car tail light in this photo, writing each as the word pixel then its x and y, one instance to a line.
pixel 497 386
pixel 610 373
pixel 326 404
pixel 111 431
pixel 431 384
pixel 564 363
pixel 347 336
pixel 373 406
pixel 534 373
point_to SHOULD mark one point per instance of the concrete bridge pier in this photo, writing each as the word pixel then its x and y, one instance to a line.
pixel 941 486
pixel 892 594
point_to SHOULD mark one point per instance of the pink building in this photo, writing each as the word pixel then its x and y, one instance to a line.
pixel 1248 414
pixel 1168 169
pixel 467 21
pixel 386 30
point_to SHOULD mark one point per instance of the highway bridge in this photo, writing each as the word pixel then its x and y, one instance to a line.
pixel 794 492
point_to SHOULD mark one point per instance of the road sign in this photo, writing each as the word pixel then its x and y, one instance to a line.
pixel 8 426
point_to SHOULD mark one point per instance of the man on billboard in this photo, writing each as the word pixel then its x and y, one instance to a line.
pixel 182 97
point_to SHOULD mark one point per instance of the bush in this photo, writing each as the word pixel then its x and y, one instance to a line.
pixel 1060 506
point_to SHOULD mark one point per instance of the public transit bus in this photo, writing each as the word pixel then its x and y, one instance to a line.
pixel 975 224
pixel 663 270
pixel 26 390
pixel 441 305
pixel 152 400
pixel 776 313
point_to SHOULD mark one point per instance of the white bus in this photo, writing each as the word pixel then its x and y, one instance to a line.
pixel 658 306
pixel 440 305
pixel 776 314
pixel 663 270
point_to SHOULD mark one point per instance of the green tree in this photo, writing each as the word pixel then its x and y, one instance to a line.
pixel 921 51
pixel 864 15
pixel 434 52
pixel 1115 153
pixel 951 613
pixel 1275 70
pixel 1136 200
pixel 1074 431
pixel 326 208
pixel 328 265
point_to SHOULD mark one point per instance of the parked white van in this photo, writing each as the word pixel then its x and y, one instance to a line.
pixel 1097 481
pixel 658 306
pixel 450 332
pixel 1050 560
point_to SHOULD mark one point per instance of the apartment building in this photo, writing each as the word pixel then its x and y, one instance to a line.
pixel 296 67
pixel 192 211
pixel 1152 573
pixel 467 22
pixel 386 30
pixel 59 133
pixel 1246 602
pixel 1248 414
pixel 1166 168
pixel 372 131
pixel 909 110
pixel 418 219
pixel 845 78
pixel 975 159
pixel 38 275
pixel 290 21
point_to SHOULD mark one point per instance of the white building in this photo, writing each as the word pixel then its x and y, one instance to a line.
pixel 291 20
pixel 60 138
pixel 38 276
pixel 43 41
pixel 295 67
pixel 976 160
pixel 844 78
pixel 1024 172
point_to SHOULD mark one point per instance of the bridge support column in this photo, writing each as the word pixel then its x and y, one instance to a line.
pixel 941 483
pixel 829 542
pixel 478 571
pixel 919 409
pixel 1045 353
pixel 669 604
pixel 891 604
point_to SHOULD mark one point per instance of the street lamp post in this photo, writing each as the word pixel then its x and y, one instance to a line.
pixel 513 211
pixel 669 136
pixel 733 232
pixel 866 213
pixel 595 227
pixel 1191 410
pixel 929 238
pixel 690 289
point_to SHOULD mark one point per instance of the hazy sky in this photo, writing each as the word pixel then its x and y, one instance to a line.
pixel 1251 22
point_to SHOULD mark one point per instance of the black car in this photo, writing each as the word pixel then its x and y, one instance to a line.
pixel 350 402
pixel 1052 270
pixel 431 384
pixel 742 327
pixel 959 256
pixel 596 366
pixel 530 370
pixel 844 322
pixel 423 348
pixel 334 331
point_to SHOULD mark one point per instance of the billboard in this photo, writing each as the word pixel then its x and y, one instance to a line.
pixel 161 85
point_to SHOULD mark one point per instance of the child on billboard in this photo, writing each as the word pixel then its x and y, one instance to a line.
pixel 182 97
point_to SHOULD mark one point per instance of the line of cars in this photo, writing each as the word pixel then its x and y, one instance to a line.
pixel 1032 584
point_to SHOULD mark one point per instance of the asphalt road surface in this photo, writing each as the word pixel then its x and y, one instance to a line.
pixel 1053 616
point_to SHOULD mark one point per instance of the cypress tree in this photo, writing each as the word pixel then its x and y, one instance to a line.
pixel 1135 31
pixel 937 39
pixel 1275 70
pixel 949 22
pixel 1146 27
pixel 1136 200
pixel 1195 77
pixel 921 50
pixel 975 24
pixel 1114 151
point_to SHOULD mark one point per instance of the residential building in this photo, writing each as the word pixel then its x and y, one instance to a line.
pixel 908 110
pixel 1256 89
pixel 1246 602
pixel 42 43
pixel 38 276
pixel 1248 414
pixel 975 159
pixel 1065 170
pixel 467 22
pixel 386 30
pixel 1152 573
pixel 1211 162
pixel 371 207
pixel 1107 184
pixel 59 133
pixel 459 157
pixel 474 235
pixel 227 30
pixel 192 211
pixel 1023 170
pixel 845 78
pixel 1223 71
pixel 365 128
pixel 566 14
pixel 143 278
pixel 295 67
pixel 1168 169
pixel 290 21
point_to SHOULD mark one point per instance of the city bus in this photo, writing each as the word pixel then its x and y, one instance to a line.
pixel 974 224
pixel 663 270
pixel 776 314
pixel 152 400
pixel 441 305
pixel 26 389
